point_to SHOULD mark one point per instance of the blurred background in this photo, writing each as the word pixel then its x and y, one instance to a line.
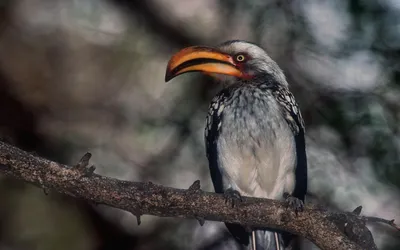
pixel 88 75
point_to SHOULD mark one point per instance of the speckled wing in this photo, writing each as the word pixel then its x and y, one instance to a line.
pixel 290 108
pixel 292 115
pixel 211 134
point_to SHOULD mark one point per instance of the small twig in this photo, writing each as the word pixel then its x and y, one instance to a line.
pixel 84 161
pixel 381 220
pixel 373 219
pixel 83 164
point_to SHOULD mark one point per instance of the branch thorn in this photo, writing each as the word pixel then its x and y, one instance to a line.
pixel 200 220
pixel 44 188
pixel 83 164
pixel 357 210
pixel 195 187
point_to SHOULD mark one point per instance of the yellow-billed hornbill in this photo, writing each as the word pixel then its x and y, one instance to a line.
pixel 254 131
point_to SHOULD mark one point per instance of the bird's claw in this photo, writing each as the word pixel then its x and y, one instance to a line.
pixel 232 197
pixel 294 203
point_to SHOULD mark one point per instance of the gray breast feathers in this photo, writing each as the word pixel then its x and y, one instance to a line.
pixel 256 146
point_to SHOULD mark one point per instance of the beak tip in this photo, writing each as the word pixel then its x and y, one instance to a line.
pixel 168 76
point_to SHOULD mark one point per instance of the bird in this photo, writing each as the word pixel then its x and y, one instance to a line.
pixel 254 132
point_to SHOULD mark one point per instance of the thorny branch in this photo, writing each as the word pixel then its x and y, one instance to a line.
pixel 328 230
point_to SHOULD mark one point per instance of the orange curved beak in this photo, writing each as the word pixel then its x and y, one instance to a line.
pixel 201 59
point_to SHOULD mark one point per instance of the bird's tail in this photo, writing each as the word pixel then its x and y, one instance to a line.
pixel 266 240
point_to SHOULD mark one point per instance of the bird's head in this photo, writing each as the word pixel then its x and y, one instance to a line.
pixel 230 61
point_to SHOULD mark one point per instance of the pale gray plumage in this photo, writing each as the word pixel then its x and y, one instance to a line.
pixel 255 138
pixel 257 148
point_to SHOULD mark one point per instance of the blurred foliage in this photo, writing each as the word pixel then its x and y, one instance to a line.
pixel 88 75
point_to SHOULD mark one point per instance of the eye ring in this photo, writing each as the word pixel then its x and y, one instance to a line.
pixel 240 58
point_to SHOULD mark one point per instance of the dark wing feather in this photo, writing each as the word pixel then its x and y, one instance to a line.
pixel 212 131
pixel 211 134
pixel 292 114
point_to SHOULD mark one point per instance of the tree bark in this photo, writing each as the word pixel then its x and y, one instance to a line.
pixel 328 230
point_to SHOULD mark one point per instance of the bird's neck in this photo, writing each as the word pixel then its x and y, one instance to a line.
pixel 268 80
pixel 262 81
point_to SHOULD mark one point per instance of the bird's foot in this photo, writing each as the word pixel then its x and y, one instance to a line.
pixel 232 197
pixel 294 203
